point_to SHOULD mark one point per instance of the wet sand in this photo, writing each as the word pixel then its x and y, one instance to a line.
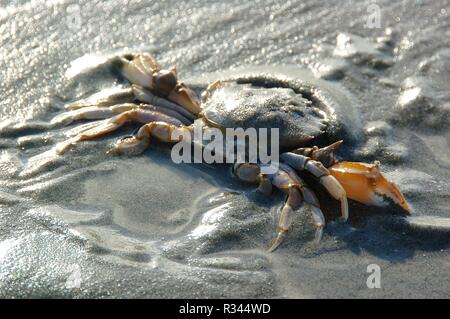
pixel 90 224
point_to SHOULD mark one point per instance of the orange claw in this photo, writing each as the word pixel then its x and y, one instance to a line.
pixel 364 183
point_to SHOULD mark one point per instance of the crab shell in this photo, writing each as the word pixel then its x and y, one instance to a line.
pixel 291 99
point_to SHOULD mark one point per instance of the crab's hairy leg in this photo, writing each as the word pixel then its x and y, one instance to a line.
pixel 133 112
pixel 92 113
pixel 107 97
pixel 78 129
pixel 319 219
pixel 286 180
pixel 173 116
pixel 309 197
pixel 146 96
pixel 103 128
pixel 167 111
pixel 85 113
pixel 319 222
pixel 162 131
pixel 293 202
pixel 95 113
pixel 251 173
pixel 114 123
pixel 316 168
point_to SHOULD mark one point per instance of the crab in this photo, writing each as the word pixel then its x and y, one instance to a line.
pixel 166 107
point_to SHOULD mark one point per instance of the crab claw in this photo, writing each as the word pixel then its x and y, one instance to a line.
pixel 364 183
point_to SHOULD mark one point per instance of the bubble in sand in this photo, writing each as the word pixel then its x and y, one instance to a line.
pixel 362 51
pixel 419 104
pixel 381 145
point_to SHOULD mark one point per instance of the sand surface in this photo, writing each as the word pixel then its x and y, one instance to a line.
pixel 94 225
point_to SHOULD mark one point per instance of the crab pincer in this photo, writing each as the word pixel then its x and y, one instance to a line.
pixel 364 183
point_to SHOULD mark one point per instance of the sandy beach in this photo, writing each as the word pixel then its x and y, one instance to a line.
pixel 94 225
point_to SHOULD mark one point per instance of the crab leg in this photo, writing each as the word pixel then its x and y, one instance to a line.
pixel 316 168
pixel 103 128
pixel 114 96
pixel 95 113
pixel 166 111
pixel 292 203
pixel 107 97
pixel 310 198
pixel 85 113
pixel 252 173
pixel 319 222
pixel 146 96
pixel 160 130
pixel 291 184
pixel 116 122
